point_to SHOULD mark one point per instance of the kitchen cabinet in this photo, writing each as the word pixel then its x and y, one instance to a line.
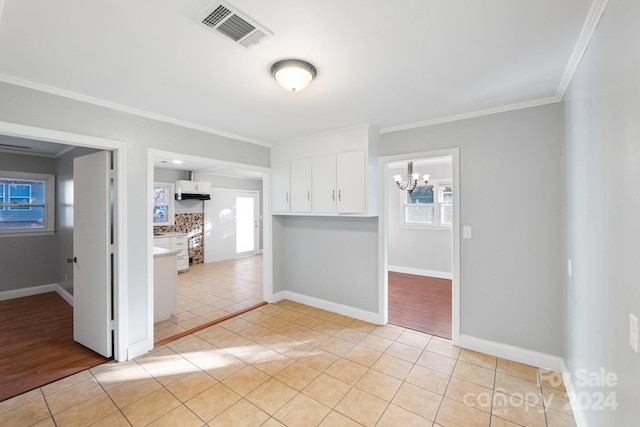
pixel 177 242
pixel 165 284
pixel 324 193
pixel 280 174
pixel 351 187
pixel 301 185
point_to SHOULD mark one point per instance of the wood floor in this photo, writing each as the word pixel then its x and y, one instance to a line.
pixel 420 303
pixel 36 344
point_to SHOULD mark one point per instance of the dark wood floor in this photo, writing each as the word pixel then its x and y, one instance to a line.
pixel 36 344
pixel 420 303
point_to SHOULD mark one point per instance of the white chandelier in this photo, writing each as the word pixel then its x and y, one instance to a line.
pixel 412 180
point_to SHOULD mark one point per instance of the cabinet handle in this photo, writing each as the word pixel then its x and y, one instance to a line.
pixel 72 260
pixel 308 195
pixel 286 197
pixel 339 195
pixel 333 195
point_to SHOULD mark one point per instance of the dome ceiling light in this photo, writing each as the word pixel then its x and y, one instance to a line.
pixel 293 74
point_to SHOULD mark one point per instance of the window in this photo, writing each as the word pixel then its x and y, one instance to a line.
pixel 26 202
pixel 162 203
pixel 430 205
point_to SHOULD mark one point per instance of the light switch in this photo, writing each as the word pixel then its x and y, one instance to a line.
pixel 633 332
pixel 466 232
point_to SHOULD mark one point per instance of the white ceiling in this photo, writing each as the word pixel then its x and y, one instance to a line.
pixel 385 63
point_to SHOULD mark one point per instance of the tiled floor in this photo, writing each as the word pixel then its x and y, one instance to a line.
pixel 207 292
pixel 294 365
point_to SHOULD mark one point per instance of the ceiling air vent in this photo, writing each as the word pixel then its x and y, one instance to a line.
pixel 222 18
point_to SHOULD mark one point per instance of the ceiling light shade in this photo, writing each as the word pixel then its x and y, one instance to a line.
pixel 293 74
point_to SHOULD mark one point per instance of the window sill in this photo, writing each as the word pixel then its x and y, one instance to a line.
pixel 22 233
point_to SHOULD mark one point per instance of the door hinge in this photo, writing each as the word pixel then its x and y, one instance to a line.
pixel 112 249
pixel 112 325
pixel 112 174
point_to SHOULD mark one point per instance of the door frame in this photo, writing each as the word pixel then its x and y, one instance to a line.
pixel 120 295
pixel 383 231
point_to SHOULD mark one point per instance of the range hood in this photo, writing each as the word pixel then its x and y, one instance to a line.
pixel 193 190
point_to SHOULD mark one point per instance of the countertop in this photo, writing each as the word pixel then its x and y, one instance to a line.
pixel 158 252
pixel 168 233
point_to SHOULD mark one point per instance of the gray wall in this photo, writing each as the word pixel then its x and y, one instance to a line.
pixel 414 247
pixel 64 215
pixel 30 107
pixel 510 193
pixel 602 173
pixel 27 260
pixel 333 259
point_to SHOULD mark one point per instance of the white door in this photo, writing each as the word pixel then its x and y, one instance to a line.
pixel 92 274
pixel 247 225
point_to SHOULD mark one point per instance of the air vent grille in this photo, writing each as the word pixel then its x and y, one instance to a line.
pixel 223 18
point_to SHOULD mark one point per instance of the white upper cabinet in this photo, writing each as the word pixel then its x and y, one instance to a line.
pixel 327 174
pixel 301 185
pixel 324 192
pixel 280 173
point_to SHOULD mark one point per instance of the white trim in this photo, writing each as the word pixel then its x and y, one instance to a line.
pixel 509 352
pixel 64 294
pixel 137 349
pixel 572 393
pixel 589 27
pixel 120 152
pixel 345 310
pixel 421 272
pixel 480 113
pixel 27 292
pixel 120 107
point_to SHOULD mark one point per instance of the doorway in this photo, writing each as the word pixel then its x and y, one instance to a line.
pixel 419 236
pixel 247 225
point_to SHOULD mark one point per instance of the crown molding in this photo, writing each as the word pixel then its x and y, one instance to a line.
pixel 480 113
pixel 589 27
pixel 119 107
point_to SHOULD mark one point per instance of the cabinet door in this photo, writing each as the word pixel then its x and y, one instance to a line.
pixel 280 186
pixel 324 192
pixel 301 185
pixel 351 176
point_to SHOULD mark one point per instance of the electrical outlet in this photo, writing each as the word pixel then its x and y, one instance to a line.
pixel 466 232
pixel 633 332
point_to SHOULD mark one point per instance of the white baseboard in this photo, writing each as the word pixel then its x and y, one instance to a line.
pixel 517 354
pixel 64 294
pixel 27 292
pixel 420 272
pixel 345 310
pixel 572 393
pixel 138 349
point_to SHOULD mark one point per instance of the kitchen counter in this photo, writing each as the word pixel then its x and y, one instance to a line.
pixel 158 252
pixel 165 283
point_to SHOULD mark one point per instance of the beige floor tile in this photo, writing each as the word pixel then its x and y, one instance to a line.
pixel 501 422
pixel 298 375
pixel 519 370
pixel 520 388
pixel 403 351
pixel 241 414
pixel 220 367
pixel 336 345
pixel 453 413
pixel 362 407
pixel 273 363
pixel 556 399
pixel 246 380
pixel 191 385
pixel 150 407
pixel 346 371
pixel 180 416
pixel 302 411
pixel 336 419
pixel 475 374
pixel 319 359
pixel 418 400
pixel 327 390
pixel 115 419
pixel 21 400
pixel 86 413
pixel 517 410
pixel 361 325
pixel 271 396
pixel 390 332
pixel 414 339
pixel 362 355
pixel 113 374
pixel 375 343
pixel 480 359
pixel 393 366
pixel 212 401
pixel 132 391
pixel 428 379
pixel 395 416
pixel 66 382
pixel 444 348
pixel 436 362
pixel 27 414
pixel 378 384
pixel 308 321
pixel 272 422
pixel 470 394
pixel 48 423
pixel 551 379
pixel 560 419
pixel 294 349
pixel 73 395
pixel 352 335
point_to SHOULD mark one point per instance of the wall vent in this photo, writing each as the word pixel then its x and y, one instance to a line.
pixel 223 18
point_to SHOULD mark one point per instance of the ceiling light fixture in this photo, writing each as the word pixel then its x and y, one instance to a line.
pixel 293 74
pixel 412 180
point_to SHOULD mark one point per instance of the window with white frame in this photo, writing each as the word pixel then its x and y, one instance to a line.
pixel 430 205
pixel 26 202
